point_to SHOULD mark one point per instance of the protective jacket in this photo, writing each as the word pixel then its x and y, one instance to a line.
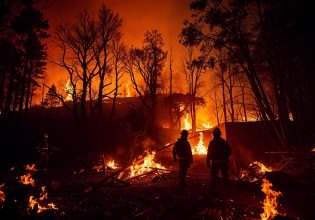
pixel 182 149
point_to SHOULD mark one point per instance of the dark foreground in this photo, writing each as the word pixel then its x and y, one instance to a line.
pixel 85 196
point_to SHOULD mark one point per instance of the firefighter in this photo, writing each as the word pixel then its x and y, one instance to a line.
pixel 182 152
pixel 218 154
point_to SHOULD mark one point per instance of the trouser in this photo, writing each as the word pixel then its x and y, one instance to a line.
pixel 215 167
pixel 183 168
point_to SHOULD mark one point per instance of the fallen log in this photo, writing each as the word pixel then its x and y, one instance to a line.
pixel 139 160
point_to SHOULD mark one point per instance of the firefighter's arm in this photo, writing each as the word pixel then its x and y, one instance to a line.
pixel 190 154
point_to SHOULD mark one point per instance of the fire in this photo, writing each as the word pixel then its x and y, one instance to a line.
pixel 270 202
pixel 263 168
pixel 33 202
pixel 69 90
pixel 112 164
pixel 186 125
pixel 206 125
pixel 30 167
pixel 200 148
pixel 2 194
pixel 127 90
pixel 148 163
pixel 27 179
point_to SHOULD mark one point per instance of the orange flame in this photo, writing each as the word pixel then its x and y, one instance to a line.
pixel 33 202
pixel 69 90
pixel 128 94
pixel 112 164
pixel 2 194
pixel 148 163
pixel 200 148
pixel 186 124
pixel 263 168
pixel 30 167
pixel 206 125
pixel 270 202
pixel 27 179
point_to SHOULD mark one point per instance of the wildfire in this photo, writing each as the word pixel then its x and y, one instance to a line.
pixel 263 168
pixel 27 179
pixel 30 167
pixel 186 124
pixel 33 202
pixel 206 125
pixel 200 148
pixel 69 90
pixel 111 164
pixel 2 195
pixel 146 166
pixel 270 202
pixel 127 90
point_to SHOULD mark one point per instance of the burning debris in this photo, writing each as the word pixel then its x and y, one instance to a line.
pixel 27 179
pixel 111 164
pixel 200 148
pixel 270 202
pixel 147 165
pixel 41 204
pixel 256 170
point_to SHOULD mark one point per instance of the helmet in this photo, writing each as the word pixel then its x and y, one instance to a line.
pixel 184 132
pixel 216 131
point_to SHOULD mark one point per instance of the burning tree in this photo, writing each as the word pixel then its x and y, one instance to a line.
pixel 87 56
pixel 148 63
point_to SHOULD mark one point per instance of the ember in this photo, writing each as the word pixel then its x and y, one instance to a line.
pixel 270 202
pixel 30 167
pixel 146 166
pixel 27 179
pixel 111 164
pixel 32 203
pixel 262 168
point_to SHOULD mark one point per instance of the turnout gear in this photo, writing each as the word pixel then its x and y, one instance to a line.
pixel 182 152
pixel 218 153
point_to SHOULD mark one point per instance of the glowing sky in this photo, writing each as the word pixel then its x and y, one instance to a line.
pixel 167 16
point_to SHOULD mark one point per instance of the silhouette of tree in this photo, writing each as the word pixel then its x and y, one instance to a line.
pixel 148 63
pixel 51 99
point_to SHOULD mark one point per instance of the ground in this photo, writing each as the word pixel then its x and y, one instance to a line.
pixel 84 195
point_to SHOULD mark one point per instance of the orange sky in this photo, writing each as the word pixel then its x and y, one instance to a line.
pixel 167 16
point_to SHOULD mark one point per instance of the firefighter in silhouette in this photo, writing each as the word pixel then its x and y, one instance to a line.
pixel 218 154
pixel 182 152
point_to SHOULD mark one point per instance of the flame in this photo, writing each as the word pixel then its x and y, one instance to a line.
pixel 30 167
pixel 200 148
pixel 263 168
pixel 43 194
pixel 127 90
pixel 27 179
pixel 270 202
pixel 112 164
pixel 206 125
pixel 69 90
pixel 2 194
pixel 148 163
pixel 186 124
pixel 33 202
